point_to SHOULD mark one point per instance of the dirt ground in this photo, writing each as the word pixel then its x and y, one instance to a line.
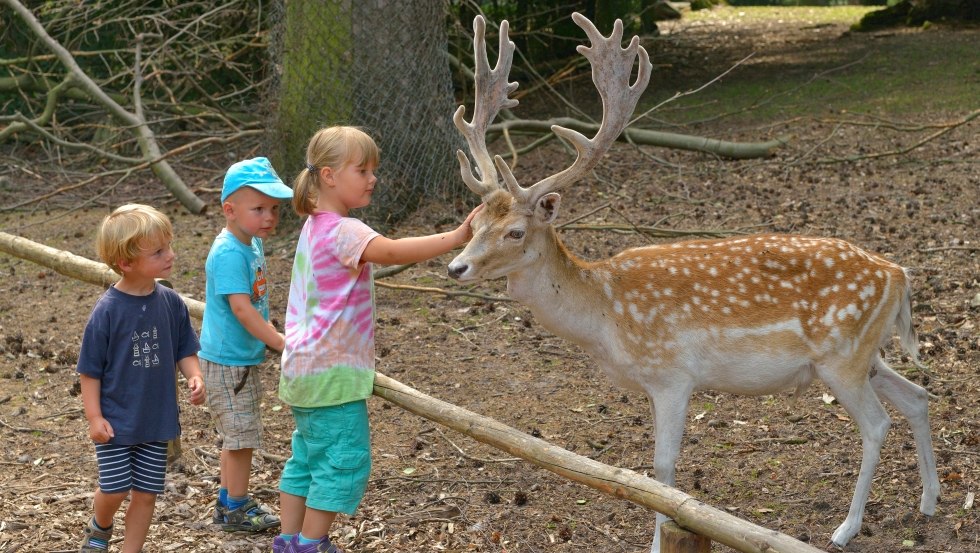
pixel 786 466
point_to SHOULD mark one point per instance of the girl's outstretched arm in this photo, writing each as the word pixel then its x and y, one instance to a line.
pixel 385 251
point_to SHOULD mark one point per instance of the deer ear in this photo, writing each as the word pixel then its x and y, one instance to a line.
pixel 546 209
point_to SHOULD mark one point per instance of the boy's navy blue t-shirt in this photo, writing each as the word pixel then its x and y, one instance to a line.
pixel 132 344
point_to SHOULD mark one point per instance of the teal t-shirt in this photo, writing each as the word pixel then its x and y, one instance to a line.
pixel 233 268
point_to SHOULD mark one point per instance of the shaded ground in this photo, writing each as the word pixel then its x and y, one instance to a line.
pixel 789 467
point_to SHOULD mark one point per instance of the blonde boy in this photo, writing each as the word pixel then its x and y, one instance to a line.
pixel 138 332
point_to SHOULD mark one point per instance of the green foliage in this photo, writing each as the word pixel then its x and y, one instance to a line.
pixel 888 80
pixel 543 30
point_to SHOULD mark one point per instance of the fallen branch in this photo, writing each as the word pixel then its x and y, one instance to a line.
pixel 449 293
pixel 951 248
pixel 137 124
pixel 721 148
pixel 72 265
pixel 902 151
pixel 658 232
pixel 130 170
pixel 5 424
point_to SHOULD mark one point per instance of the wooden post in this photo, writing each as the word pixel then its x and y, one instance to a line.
pixel 674 539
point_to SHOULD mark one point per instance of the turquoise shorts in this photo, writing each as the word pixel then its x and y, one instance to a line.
pixel 331 458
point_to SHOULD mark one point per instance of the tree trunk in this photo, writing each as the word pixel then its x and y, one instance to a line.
pixel 316 81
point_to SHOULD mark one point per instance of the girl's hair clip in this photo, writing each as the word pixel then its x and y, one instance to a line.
pixel 311 168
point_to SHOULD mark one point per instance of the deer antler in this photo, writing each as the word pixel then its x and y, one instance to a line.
pixel 492 90
pixel 611 70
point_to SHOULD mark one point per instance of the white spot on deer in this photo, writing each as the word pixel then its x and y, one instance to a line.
pixel 713 271
pixel 784 284
pixel 635 313
pixel 852 286
pixel 828 318
pixel 668 292
pixel 686 271
pixel 607 288
pixel 789 325
pixel 672 270
pixel 829 262
pixel 618 307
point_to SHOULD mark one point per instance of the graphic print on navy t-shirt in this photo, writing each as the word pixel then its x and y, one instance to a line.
pixel 146 347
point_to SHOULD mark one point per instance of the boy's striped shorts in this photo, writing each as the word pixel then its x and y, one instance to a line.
pixel 140 467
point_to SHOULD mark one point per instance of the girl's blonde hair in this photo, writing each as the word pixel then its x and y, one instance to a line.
pixel 334 147
pixel 128 229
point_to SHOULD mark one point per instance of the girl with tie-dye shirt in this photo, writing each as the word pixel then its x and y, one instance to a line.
pixel 328 362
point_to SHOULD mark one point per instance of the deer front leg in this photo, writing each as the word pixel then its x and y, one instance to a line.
pixel 670 414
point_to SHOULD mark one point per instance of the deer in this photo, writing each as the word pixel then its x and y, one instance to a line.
pixel 749 315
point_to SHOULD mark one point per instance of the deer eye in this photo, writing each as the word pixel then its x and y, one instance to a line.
pixel 516 234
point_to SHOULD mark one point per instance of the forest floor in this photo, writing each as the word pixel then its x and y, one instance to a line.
pixel 788 465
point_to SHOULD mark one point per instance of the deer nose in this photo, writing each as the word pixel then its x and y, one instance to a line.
pixel 457 270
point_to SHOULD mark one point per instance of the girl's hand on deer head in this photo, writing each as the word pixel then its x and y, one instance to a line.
pixel 466 229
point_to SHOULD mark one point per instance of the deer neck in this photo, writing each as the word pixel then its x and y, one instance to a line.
pixel 562 293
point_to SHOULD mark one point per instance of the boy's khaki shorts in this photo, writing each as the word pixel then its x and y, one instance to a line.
pixel 236 415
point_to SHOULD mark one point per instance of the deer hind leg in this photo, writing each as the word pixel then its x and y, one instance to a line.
pixel 670 414
pixel 860 401
pixel 912 401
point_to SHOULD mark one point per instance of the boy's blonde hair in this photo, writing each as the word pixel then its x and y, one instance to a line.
pixel 126 230
pixel 334 147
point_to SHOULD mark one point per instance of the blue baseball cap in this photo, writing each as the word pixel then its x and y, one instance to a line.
pixel 255 173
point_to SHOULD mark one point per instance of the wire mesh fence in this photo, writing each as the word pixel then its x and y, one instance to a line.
pixel 377 64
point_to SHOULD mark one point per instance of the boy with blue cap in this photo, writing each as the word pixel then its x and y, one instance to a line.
pixel 236 331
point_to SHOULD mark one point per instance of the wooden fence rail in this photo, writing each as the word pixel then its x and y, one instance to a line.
pixel 686 511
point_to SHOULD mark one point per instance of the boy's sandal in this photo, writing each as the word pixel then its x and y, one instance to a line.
pixel 250 517
pixel 94 535
pixel 219 513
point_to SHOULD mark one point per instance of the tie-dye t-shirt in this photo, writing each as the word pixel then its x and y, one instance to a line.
pixel 329 355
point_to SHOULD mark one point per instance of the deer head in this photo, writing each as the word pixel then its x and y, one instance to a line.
pixel 517 216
